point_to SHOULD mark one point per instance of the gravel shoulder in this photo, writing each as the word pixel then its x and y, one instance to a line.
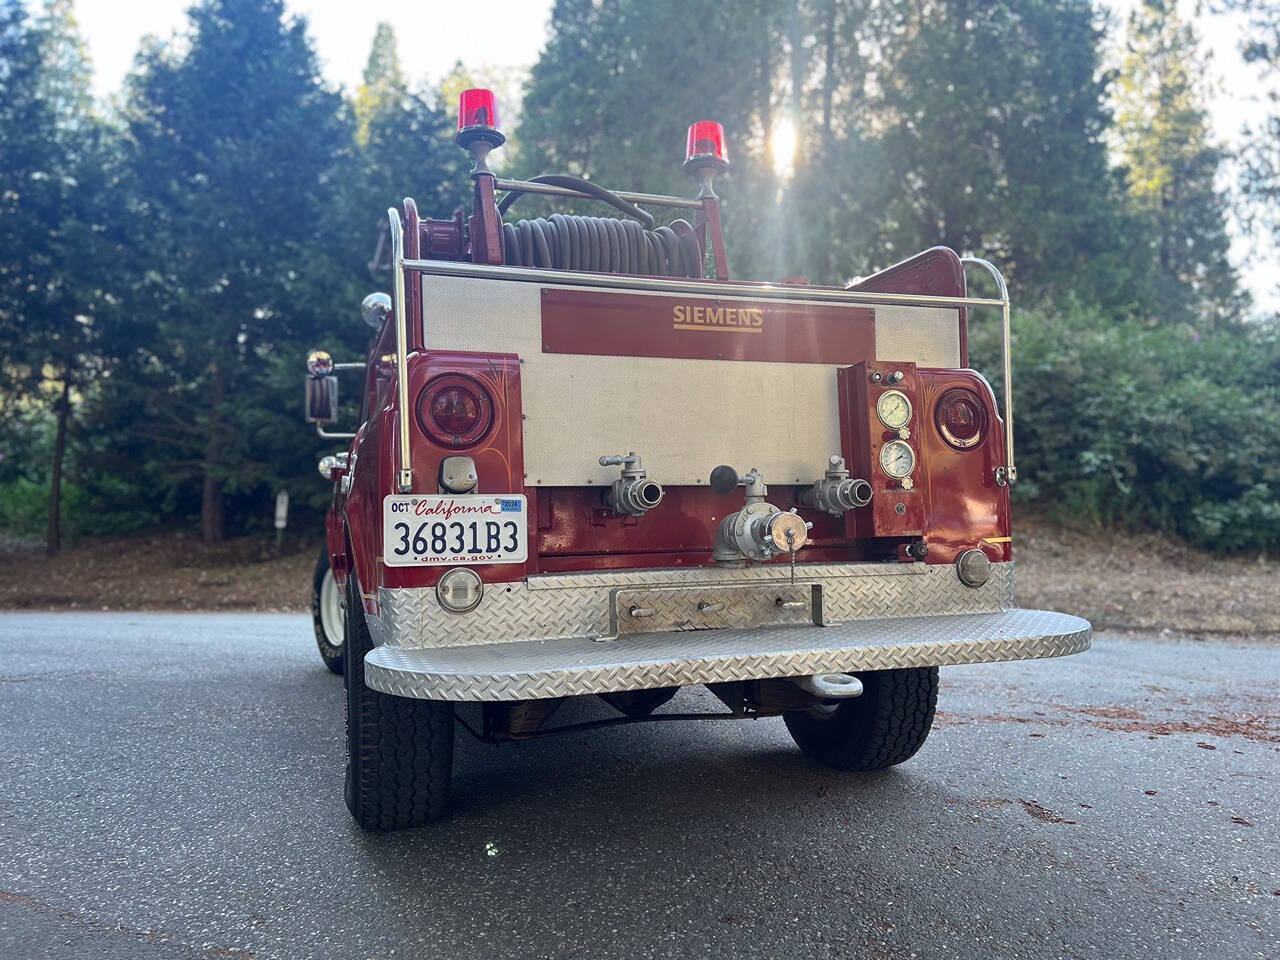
pixel 1117 580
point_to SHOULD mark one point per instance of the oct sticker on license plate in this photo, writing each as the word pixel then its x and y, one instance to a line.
pixel 444 528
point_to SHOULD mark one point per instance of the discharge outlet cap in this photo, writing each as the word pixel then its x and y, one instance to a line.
pixel 973 567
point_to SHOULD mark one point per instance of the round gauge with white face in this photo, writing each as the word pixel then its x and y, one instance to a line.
pixel 897 458
pixel 894 409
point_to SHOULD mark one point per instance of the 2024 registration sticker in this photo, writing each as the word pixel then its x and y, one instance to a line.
pixel 454 529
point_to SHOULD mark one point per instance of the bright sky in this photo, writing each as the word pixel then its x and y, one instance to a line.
pixel 433 34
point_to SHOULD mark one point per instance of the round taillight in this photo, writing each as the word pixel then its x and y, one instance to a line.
pixel 455 411
pixel 961 418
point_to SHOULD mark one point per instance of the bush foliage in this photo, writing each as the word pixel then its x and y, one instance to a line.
pixel 1125 423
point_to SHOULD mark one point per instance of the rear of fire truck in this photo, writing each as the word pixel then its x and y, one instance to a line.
pixel 591 463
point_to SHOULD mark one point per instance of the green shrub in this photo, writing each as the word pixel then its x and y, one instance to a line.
pixel 1121 423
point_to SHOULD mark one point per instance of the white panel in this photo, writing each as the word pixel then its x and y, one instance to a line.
pixel 929 336
pixel 682 416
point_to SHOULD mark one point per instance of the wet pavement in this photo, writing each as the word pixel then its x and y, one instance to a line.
pixel 172 788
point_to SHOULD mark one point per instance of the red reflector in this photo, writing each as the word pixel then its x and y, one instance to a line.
pixel 961 418
pixel 706 139
pixel 455 411
pixel 477 108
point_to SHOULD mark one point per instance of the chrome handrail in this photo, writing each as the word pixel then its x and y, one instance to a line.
pixel 333 436
pixel 652 199
pixel 706 288
pixel 404 477
pixel 1008 474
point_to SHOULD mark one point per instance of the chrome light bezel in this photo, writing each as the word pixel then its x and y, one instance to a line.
pixel 443 589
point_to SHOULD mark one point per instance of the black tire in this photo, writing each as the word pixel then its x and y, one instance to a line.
pixel 399 750
pixel 331 653
pixel 883 727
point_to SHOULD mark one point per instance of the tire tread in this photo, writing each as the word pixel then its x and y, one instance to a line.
pixel 399 750
pixel 885 726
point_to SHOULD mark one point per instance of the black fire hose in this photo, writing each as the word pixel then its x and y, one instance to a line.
pixel 599 244
pixel 602 245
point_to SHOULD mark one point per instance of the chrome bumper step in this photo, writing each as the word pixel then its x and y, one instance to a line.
pixel 534 669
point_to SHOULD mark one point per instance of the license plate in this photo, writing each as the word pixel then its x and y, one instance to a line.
pixel 445 529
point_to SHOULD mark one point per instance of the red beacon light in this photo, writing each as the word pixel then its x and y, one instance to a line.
pixel 478 120
pixel 705 150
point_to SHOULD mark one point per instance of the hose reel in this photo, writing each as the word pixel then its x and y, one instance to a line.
pixel 600 244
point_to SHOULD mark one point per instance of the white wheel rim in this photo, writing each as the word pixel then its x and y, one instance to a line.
pixel 331 610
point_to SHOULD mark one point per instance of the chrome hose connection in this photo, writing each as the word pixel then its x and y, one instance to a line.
pixel 759 531
pixel 633 494
pixel 837 492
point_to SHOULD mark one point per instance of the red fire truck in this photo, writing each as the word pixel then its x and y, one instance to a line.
pixel 591 462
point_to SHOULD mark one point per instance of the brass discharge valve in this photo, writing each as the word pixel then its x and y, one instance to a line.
pixel 759 531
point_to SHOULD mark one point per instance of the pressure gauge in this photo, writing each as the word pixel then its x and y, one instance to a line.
pixel 894 409
pixel 897 458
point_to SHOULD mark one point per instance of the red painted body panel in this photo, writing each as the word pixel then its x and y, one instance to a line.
pixel 576 531
pixel 499 456
pixel 633 325
pixel 335 535
pixel 372 474
pixel 937 271
pixel 863 436
pixel 499 459
pixel 967 509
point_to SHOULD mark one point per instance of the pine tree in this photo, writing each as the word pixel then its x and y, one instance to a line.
pixel 903 139
pixel 618 84
pixel 1171 165
pixel 238 150
pixel 407 146
pixel 63 256
pixel 383 81
pixel 991 118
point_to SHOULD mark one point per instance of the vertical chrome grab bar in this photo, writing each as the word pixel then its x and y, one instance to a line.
pixel 1008 474
pixel 404 477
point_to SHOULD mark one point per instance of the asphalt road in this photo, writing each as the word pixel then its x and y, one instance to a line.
pixel 172 788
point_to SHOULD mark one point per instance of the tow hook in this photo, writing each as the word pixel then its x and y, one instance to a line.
pixel 830 686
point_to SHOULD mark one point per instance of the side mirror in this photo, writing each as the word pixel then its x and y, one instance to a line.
pixel 374 309
pixel 321 388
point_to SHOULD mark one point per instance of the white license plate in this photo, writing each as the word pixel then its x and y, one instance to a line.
pixel 446 529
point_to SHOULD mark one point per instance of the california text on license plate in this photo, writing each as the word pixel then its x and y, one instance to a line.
pixel 443 528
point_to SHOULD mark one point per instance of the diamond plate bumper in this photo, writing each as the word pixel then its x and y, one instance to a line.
pixel 565 606
pixel 529 670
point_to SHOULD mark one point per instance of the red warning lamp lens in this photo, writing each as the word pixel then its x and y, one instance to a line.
pixel 706 139
pixel 961 419
pixel 477 108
